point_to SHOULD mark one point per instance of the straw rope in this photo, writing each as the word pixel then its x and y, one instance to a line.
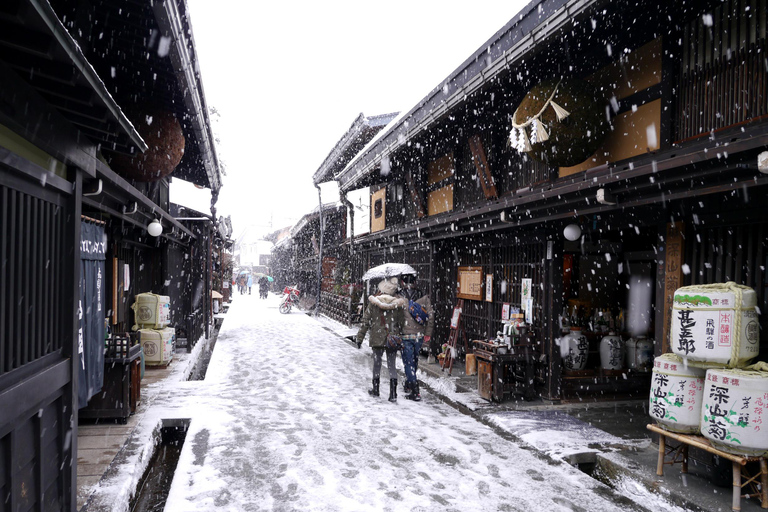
pixel 538 131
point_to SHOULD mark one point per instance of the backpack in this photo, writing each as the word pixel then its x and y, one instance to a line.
pixel 417 312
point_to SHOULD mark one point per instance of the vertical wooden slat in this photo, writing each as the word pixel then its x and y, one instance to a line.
pixel 34 279
pixel 45 300
pixel 57 268
pixel 4 287
pixel 14 275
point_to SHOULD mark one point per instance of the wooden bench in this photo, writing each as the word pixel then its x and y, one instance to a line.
pixel 680 455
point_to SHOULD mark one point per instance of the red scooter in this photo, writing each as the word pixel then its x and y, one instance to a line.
pixel 290 297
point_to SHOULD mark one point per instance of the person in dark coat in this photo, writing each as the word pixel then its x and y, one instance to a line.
pixel 415 333
pixel 263 287
pixel 384 315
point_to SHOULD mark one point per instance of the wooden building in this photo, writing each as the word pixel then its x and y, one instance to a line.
pixel 80 84
pixel 670 195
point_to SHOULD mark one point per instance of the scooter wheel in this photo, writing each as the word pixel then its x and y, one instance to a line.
pixel 285 308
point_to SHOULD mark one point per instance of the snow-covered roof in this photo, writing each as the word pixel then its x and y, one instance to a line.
pixel 336 205
pixel 535 21
pixel 363 129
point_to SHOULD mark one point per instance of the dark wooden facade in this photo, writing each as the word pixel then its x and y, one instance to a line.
pixel 686 97
pixel 52 171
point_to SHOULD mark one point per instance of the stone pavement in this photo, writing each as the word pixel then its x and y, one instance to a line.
pixel 620 465
pixel 614 465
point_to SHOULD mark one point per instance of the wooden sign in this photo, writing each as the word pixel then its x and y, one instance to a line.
pixel 470 282
pixel 489 288
pixel 673 273
pixel 481 166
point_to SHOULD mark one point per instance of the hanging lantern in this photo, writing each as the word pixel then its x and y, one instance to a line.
pixel 560 123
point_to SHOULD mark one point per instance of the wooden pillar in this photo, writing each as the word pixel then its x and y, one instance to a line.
pixel 553 307
pixel 69 329
pixel 670 269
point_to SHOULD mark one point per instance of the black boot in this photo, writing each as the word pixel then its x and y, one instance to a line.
pixel 406 387
pixel 375 390
pixel 393 390
pixel 414 395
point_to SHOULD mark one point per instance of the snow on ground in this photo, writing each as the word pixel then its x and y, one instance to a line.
pixel 558 434
pixel 283 422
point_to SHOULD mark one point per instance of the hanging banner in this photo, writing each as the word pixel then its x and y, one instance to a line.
pixel 93 248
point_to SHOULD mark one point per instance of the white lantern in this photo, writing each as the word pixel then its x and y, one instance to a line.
pixel 155 228
pixel 572 232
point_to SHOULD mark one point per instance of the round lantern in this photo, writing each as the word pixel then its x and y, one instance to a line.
pixel 572 232
pixel 165 140
pixel 560 122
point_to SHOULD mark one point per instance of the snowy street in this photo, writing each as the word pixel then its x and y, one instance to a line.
pixel 283 421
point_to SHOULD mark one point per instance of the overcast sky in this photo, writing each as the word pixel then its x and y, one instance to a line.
pixel 289 78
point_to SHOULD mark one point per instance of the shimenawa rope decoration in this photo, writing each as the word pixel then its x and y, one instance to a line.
pixel 519 138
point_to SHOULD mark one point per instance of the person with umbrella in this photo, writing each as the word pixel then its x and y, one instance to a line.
pixel 263 286
pixel 250 283
pixel 418 327
pixel 383 316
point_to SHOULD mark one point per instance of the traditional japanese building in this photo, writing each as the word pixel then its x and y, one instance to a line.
pixel 589 159
pixel 86 221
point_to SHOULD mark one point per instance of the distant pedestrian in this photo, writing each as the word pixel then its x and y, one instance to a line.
pixel 418 327
pixel 250 283
pixel 263 287
pixel 383 316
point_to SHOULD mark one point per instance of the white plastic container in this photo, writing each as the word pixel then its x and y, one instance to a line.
pixel 574 349
pixel 734 415
pixel 715 323
pixel 157 345
pixel 151 311
pixel 639 354
pixel 611 352
pixel 676 394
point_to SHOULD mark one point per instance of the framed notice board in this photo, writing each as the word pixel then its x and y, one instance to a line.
pixel 470 283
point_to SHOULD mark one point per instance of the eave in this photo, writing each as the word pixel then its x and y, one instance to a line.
pixel 39 49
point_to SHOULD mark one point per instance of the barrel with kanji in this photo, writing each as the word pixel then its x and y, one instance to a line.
pixel 715 323
pixel 676 394
pixel 734 414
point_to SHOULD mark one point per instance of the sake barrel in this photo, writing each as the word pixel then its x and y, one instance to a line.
pixel 151 311
pixel 735 402
pixel 676 394
pixel 157 345
pixel 715 323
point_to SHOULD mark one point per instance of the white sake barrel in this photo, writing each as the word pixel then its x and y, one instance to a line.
pixel 676 394
pixel 151 311
pixel 734 415
pixel 574 349
pixel 715 323
pixel 157 345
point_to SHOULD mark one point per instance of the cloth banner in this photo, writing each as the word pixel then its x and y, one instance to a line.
pixel 93 247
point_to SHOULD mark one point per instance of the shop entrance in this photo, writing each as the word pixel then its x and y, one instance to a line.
pixel 607 322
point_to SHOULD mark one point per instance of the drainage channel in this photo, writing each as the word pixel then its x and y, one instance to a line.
pixel 201 367
pixel 153 487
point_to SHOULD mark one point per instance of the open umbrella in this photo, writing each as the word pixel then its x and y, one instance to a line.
pixel 388 270
pixel 216 295
pixel 259 275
